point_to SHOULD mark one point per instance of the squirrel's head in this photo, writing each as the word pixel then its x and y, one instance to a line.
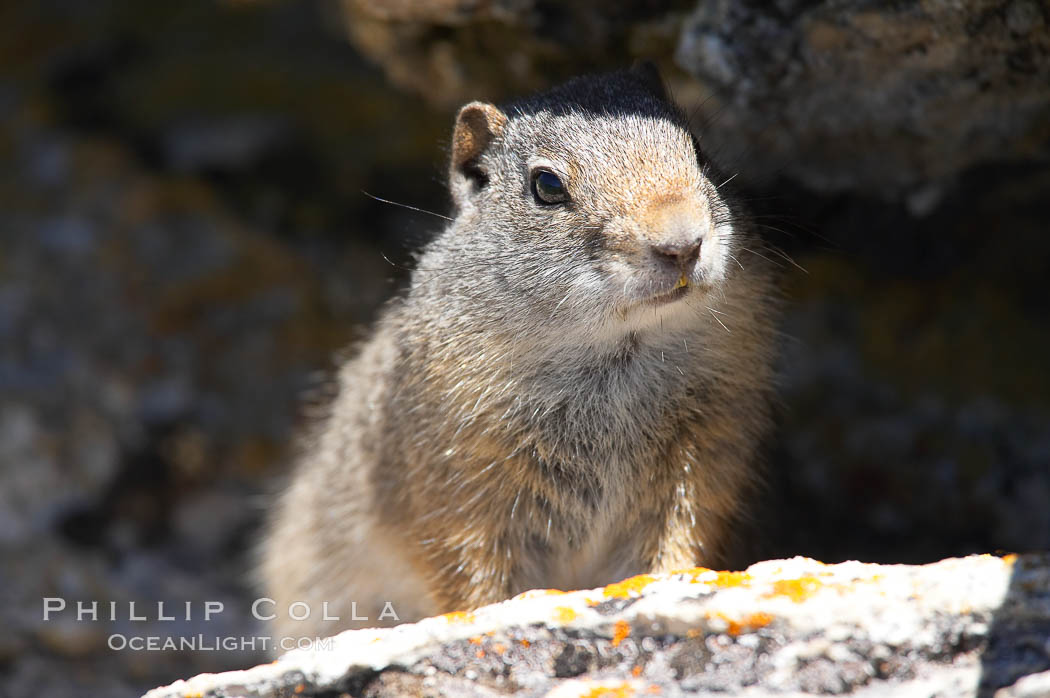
pixel 597 195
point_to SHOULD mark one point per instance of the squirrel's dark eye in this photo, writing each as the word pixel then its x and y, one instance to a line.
pixel 548 188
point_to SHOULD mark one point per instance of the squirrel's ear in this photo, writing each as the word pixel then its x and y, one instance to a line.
pixel 648 73
pixel 477 125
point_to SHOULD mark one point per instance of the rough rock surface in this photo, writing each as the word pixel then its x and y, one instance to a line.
pixel 960 627
pixel 895 98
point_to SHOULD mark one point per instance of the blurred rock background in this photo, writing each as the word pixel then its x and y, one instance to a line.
pixel 185 244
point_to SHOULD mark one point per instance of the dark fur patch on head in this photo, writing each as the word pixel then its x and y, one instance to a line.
pixel 621 93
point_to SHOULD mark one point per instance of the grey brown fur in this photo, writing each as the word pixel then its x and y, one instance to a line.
pixel 537 410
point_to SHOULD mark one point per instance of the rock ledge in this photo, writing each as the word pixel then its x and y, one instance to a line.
pixel 958 627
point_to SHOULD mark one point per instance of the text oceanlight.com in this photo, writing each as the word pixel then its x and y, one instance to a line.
pixel 202 643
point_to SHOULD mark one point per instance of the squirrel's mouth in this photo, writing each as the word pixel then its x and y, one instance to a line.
pixel 680 289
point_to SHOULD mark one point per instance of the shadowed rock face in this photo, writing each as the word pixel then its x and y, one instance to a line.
pixel 960 627
pixel 897 99
pixel 891 100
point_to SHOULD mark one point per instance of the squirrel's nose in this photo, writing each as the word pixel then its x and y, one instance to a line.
pixel 682 254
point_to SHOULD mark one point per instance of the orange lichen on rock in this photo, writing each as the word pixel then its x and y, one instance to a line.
pixel 476 640
pixel 722 579
pixel 622 690
pixel 797 590
pixel 732 579
pixel 636 670
pixel 758 620
pixel 564 614
pixel 620 631
pixel 459 617
pixel 749 623
pixel 632 586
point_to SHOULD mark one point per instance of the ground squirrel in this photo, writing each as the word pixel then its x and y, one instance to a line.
pixel 571 390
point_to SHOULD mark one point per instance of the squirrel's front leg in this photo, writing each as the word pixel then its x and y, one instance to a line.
pixel 689 541
pixel 697 524
pixel 469 569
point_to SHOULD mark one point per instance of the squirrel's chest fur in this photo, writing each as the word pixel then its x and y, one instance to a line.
pixel 564 458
